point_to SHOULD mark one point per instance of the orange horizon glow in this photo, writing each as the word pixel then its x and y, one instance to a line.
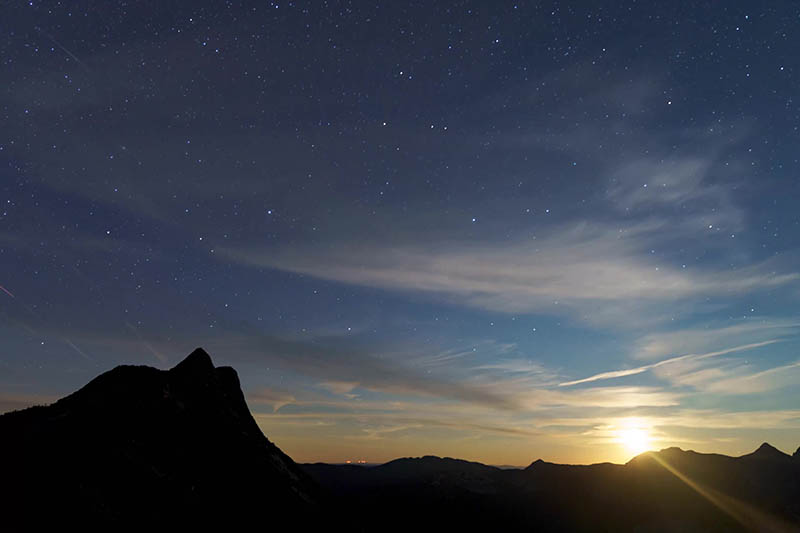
pixel 616 443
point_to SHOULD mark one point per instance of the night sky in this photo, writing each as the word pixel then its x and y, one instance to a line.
pixel 489 230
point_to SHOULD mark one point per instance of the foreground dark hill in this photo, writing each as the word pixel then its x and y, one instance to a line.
pixel 670 490
pixel 144 446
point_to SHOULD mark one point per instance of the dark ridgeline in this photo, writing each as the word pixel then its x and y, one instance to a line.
pixel 140 447
pixel 670 490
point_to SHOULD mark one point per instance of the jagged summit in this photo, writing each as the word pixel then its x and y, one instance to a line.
pixel 541 464
pixel 766 447
pixel 146 446
pixel 766 451
pixel 197 361
pixel 671 449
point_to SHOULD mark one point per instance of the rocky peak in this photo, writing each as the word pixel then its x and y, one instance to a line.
pixel 766 451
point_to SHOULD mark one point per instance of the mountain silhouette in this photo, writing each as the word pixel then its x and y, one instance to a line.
pixel 138 445
pixel 668 490
pixel 766 452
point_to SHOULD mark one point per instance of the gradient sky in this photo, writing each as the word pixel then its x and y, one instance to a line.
pixel 491 230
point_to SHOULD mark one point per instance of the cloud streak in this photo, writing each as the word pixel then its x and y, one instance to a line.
pixel 583 269
pixel 737 378
pixel 641 369
pixel 708 339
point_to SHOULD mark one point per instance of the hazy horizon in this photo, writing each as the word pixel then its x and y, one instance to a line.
pixel 492 231
pixel 381 453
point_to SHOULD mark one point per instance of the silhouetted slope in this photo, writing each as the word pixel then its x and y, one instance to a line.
pixel 143 446
pixel 759 491
pixel 766 452
pixel 670 490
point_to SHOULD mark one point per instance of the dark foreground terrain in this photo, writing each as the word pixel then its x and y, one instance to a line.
pixel 139 447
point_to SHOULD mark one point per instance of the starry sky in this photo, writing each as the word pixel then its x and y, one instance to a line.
pixel 490 230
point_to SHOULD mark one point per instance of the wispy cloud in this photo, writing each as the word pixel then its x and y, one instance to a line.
pixel 586 270
pixel 342 388
pixel 648 182
pixel 516 366
pixel 688 340
pixel 340 367
pixel 688 357
pixel 274 397
pixel 674 185
pixel 692 418
pixel 738 378
pixel 379 424
pixel 630 397
pixel 720 419
pixel 483 349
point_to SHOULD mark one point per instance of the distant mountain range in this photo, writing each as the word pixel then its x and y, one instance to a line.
pixel 140 447
pixel 669 490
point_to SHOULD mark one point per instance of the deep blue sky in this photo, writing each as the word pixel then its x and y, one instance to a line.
pixel 494 230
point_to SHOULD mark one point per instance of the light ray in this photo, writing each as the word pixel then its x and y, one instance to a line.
pixel 745 514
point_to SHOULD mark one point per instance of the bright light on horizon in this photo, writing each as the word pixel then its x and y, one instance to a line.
pixel 635 436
